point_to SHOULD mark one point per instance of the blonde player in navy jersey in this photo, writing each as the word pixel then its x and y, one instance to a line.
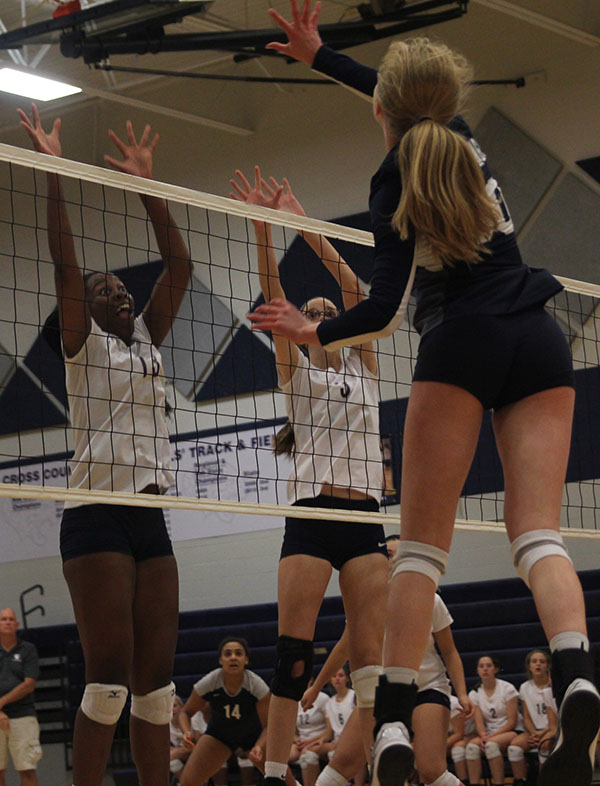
pixel 443 231
pixel 118 560
pixel 332 403
pixel 539 715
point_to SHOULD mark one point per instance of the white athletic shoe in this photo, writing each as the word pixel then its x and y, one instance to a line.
pixel 392 756
pixel 571 761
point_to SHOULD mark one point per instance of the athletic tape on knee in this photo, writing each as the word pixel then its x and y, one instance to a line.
pixel 533 546
pixel 445 779
pixel 458 753
pixel 103 703
pixel 291 651
pixel 472 752
pixel 492 750
pixel 515 753
pixel 364 682
pixel 155 707
pixel 307 758
pixel 415 557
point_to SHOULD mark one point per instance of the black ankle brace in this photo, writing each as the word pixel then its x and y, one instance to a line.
pixel 394 701
pixel 568 665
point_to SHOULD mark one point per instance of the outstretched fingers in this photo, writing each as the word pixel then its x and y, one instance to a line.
pixel 119 144
pixel 131 134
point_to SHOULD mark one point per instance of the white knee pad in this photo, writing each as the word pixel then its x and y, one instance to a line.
pixel 515 753
pixel 307 758
pixel 472 752
pixel 103 703
pixel 458 753
pixel 244 763
pixel 415 557
pixel 492 750
pixel 176 765
pixel 155 707
pixel 533 546
pixel 364 682
pixel 445 779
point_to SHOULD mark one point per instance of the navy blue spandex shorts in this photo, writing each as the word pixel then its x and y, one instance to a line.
pixel 138 532
pixel 498 359
pixel 334 541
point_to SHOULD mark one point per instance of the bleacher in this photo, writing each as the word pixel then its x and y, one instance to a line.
pixel 496 617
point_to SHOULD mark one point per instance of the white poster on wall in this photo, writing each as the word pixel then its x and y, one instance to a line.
pixel 236 466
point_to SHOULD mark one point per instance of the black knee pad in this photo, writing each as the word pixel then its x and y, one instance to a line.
pixel 289 651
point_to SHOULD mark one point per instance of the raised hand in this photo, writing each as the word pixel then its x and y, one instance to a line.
pixel 42 142
pixel 260 194
pixel 303 34
pixel 137 156
pixel 287 200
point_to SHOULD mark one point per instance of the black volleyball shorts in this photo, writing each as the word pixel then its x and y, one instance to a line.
pixel 498 359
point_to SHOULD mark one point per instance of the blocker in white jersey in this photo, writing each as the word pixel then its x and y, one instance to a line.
pixel 332 439
pixel 118 559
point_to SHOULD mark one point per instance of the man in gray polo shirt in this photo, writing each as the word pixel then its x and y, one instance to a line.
pixel 19 730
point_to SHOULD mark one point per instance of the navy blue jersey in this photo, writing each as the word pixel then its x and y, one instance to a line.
pixel 233 718
pixel 500 284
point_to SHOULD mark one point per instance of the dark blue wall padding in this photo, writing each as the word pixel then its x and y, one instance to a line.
pixel 23 405
pixel 245 366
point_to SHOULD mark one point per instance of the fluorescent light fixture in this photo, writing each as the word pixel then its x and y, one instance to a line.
pixel 37 87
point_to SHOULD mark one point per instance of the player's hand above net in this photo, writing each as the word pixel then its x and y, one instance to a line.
pixel 304 40
pixel 137 156
pixel 42 141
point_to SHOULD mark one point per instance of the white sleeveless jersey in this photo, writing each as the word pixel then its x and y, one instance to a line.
pixel 335 418
pixel 311 723
pixel 493 708
pixel 537 701
pixel 338 712
pixel 432 672
pixel 117 406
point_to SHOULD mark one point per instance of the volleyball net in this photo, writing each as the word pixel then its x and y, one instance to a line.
pixel 224 403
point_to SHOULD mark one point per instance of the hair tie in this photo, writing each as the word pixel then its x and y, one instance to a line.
pixel 425 117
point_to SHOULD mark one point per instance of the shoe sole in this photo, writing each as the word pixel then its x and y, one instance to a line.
pixel 395 765
pixel 570 764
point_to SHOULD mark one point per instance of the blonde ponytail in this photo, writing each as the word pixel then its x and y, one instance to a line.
pixel 420 88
